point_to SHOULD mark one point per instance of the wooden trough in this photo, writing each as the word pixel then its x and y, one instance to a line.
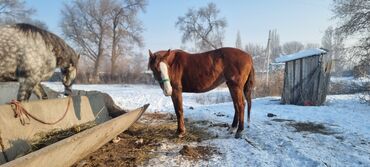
pixel 306 77
pixel 16 139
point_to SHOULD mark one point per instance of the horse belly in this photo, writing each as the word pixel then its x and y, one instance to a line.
pixel 7 71
pixel 204 85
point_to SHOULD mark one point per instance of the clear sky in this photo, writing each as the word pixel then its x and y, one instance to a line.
pixel 295 20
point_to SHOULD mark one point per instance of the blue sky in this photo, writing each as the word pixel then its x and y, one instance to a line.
pixel 295 20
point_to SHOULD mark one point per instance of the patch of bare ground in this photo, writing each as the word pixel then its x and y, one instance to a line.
pixel 139 143
pixel 311 127
pixel 198 152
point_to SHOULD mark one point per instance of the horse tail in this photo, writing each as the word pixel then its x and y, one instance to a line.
pixel 248 87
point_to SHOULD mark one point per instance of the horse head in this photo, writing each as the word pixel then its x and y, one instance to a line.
pixel 69 73
pixel 159 65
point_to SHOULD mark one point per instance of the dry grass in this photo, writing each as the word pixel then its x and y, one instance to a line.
pixel 139 143
pixel 49 138
pixel 273 88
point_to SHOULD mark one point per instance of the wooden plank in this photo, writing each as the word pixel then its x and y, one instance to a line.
pixel 310 67
pixel 285 94
pixel 290 81
pixel 327 78
pixel 304 80
pixel 315 78
pixel 68 151
pixel 324 77
pixel 297 81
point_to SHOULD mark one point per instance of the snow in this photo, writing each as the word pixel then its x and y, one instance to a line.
pixel 300 54
pixel 275 143
pixel 358 81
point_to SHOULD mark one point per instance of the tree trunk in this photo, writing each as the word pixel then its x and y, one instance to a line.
pixel 114 54
pixel 99 59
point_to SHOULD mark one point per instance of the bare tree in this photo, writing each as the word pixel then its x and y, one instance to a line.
pixel 334 43
pixel 292 47
pixel 125 28
pixel 84 22
pixel 275 48
pixel 312 45
pixel 354 21
pixel 258 54
pixel 97 26
pixel 203 27
pixel 14 10
pixel 238 42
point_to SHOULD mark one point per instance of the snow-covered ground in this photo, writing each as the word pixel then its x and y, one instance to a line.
pixel 351 80
pixel 275 143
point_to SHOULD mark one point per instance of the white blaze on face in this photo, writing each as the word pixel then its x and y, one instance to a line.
pixel 164 75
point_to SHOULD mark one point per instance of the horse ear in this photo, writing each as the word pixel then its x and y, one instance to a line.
pixel 150 53
pixel 167 54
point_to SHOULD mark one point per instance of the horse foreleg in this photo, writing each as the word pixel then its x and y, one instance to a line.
pixel 177 103
pixel 40 92
pixel 25 89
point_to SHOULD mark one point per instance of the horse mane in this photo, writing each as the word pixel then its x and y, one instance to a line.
pixel 62 51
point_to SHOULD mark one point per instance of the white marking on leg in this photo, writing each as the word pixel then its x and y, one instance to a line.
pixel 232 130
pixel 164 74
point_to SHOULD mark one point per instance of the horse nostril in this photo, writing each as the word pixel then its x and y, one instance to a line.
pixel 167 93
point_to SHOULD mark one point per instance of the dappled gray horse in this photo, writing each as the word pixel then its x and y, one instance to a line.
pixel 30 55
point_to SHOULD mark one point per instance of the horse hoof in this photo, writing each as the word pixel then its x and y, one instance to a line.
pixel 238 135
pixel 232 130
pixel 181 135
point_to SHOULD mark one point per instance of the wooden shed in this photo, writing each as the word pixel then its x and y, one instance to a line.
pixel 306 77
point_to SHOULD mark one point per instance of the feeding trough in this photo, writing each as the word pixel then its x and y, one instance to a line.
pixel 90 114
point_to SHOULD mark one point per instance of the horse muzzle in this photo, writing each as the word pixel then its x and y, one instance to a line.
pixel 167 89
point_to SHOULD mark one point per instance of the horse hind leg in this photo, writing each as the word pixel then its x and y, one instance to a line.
pixel 248 96
pixel 248 87
pixel 39 91
pixel 239 104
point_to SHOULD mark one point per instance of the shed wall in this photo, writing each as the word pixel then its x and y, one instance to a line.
pixel 306 80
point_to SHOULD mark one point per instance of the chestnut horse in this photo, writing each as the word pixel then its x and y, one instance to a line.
pixel 178 71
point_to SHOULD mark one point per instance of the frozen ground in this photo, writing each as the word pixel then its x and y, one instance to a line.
pixel 274 141
pixel 351 80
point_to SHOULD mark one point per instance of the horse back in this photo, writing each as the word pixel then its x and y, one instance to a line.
pixel 22 54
